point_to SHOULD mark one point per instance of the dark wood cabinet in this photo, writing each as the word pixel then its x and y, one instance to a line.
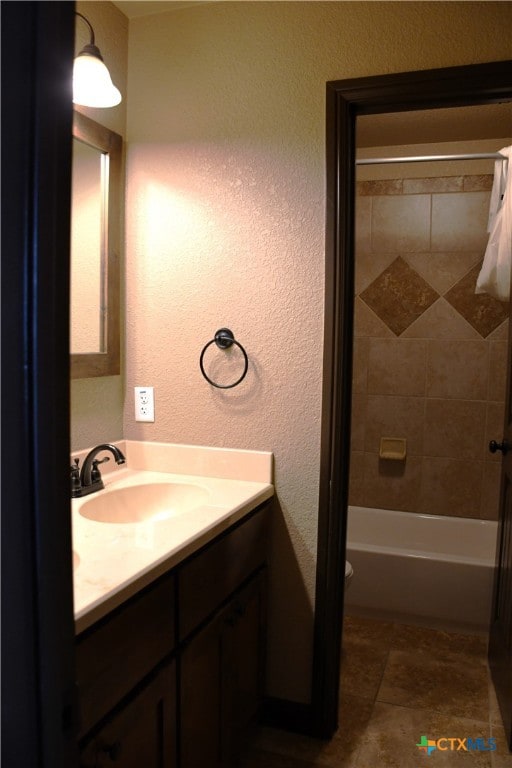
pixel 116 653
pixel 222 681
pixel 142 734
pixel 212 575
pixel 174 676
pixel 245 640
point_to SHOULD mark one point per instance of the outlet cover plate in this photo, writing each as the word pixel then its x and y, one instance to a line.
pixel 144 404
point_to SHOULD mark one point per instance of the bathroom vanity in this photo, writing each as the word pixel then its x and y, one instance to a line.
pixel 170 661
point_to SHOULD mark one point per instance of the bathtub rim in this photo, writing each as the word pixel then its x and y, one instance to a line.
pixel 448 522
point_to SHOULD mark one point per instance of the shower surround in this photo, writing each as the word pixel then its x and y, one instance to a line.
pixel 429 354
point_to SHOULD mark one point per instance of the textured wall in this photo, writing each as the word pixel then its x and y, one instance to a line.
pixel 97 403
pixel 225 227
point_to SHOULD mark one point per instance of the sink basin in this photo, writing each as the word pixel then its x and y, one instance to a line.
pixel 142 503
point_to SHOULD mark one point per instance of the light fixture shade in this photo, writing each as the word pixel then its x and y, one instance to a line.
pixel 92 85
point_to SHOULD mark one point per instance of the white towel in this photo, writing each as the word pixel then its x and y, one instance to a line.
pixel 494 277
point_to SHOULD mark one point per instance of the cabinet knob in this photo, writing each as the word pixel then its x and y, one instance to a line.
pixel 236 614
pixel 503 447
pixel 113 751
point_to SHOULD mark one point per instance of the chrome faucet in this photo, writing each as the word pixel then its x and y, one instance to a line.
pixel 88 479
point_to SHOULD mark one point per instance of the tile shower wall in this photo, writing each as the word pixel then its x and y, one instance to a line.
pixel 429 354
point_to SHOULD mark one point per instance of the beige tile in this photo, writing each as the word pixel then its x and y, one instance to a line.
pixel 258 758
pixel 494 428
pixel 362 667
pixel 440 321
pixel 401 223
pixel 363 226
pixel 501 757
pixel 399 296
pixel 397 367
pixel 380 187
pixel 491 479
pixel 392 484
pixel 439 672
pixel 494 708
pixel 394 732
pixel 443 270
pixel 356 480
pixel 438 643
pixel 498 351
pixel 369 265
pixel 451 487
pixel 340 752
pixel 436 184
pixel 500 333
pixel 447 685
pixel 354 715
pixel 483 312
pixel 361 672
pixel 392 416
pixel 366 322
pixel 476 183
pixel 457 369
pixel 357 436
pixel 360 365
pixel 459 221
pixel 454 429
pixel 376 633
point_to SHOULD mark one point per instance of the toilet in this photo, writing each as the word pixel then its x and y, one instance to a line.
pixel 349 572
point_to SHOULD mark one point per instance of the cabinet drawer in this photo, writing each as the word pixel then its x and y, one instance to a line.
pixel 213 574
pixel 115 654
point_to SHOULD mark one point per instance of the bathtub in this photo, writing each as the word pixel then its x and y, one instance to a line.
pixel 426 569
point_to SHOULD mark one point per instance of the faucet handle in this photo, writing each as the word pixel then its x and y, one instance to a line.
pixel 75 477
pixel 95 473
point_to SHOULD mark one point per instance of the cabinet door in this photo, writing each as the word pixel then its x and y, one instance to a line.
pixel 244 664
pixel 143 733
pixel 201 698
pixel 211 576
pixel 221 682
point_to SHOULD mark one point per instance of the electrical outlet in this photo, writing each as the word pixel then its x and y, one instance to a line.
pixel 144 404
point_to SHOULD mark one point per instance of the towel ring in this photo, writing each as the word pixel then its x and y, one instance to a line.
pixel 224 339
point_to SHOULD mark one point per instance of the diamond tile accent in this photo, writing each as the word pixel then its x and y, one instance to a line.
pixel 483 312
pixel 443 270
pixel 399 296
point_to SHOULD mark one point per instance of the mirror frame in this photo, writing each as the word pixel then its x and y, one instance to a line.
pixel 346 100
pixel 105 363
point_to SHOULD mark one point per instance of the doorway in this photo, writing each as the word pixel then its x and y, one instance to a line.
pixel 429 370
pixel 346 101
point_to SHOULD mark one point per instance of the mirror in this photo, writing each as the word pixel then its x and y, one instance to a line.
pixel 95 244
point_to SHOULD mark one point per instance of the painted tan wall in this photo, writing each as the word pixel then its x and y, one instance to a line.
pixel 97 404
pixel 225 227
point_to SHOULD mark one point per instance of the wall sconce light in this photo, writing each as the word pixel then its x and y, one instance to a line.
pixel 92 84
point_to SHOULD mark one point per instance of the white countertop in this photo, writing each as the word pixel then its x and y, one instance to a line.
pixel 113 561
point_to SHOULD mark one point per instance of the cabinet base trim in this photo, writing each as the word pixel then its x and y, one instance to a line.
pixel 288 715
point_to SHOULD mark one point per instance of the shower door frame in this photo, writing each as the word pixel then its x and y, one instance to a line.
pixel 346 100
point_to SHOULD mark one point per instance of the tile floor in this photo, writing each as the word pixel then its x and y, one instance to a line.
pixel 398 683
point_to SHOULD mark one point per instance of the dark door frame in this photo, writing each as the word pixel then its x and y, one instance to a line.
pixel 346 100
pixel 38 714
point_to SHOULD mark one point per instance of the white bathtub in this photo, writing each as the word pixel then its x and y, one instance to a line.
pixel 426 569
